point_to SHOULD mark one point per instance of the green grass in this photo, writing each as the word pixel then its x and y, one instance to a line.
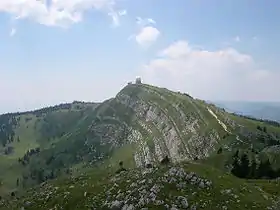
pixel 10 168
pixel 252 124
pixel 124 154
pixel 97 182
pixel 63 132
pixel 28 135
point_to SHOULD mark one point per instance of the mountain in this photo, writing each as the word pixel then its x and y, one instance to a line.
pixel 142 127
pixel 261 110
pixel 25 134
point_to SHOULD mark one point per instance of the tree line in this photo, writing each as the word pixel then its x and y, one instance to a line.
pixel 270 122
pixel 242 167
pixel 7 125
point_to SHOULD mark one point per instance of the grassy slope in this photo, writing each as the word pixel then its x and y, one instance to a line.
pixel 70 193
pixel 220 160
pixel 29 132
pixel 78 129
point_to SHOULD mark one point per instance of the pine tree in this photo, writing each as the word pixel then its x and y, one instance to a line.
pixel 121 164
pixel 121 167
pixel 235 167
pixel 253 170
pixel 40 176
pixel 269 171
pixel 220 150
pixel 244 166
pixel 265 170
pixel 236 154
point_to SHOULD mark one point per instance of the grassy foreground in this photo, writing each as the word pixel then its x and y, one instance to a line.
pixel 188 185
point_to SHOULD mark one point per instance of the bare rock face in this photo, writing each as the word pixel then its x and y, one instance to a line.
pixel 154 123
pixel 163 123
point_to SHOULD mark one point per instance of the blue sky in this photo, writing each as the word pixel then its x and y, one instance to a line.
pixel 53 52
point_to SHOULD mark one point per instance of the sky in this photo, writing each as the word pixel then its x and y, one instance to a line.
pixel 57 51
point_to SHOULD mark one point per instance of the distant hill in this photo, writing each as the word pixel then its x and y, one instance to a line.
pixel 262 110
pixel 143 126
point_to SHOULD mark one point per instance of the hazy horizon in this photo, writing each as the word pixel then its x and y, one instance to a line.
pixel 54 52
pixel 276 103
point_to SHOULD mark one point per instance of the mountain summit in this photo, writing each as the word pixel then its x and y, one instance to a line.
pixel 142 127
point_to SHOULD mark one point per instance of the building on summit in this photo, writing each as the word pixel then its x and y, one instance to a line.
pixel 138 80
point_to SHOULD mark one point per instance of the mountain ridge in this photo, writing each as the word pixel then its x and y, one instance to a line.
pixel 260 110
pixel 142 126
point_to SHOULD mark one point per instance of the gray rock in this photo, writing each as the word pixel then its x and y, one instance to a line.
pixel 172 180
pixel 181 185
pixel 201 184
pixel 193 180
pixel 174 207
pixel 141 202
pixel 142 181
pixel 183 201
pixel 159 202
pixel 133 184
pixel 27 203
pixel 155 189
pixel 265 197
pixel 120 196
pixel 226 191
pixel 193 207
pixel 115 205
pixel 208 183
pixel 152 196
pixel 128 207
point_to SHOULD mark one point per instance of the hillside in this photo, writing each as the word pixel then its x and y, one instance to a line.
pixel 25 134
pixel 184 186
pixel 142 126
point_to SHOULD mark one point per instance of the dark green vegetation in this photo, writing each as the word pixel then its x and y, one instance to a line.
pixel 25 136
pixel 143 126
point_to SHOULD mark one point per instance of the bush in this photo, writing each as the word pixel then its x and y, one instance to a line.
pixel 165 160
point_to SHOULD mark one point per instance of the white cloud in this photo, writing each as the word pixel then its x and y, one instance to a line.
pixel 122 12
pixel 225 74
pixel 147 35
pixel 57 12
pixel 13 32
pixel 116 16
pixel 145 22
pixel 255 38
pixel 237 39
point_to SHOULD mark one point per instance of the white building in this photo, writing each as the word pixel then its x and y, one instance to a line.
pixel 138 80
